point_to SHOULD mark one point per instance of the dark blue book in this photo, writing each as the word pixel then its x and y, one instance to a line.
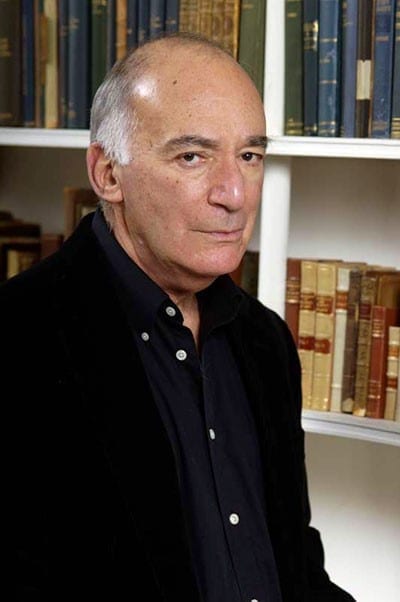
pixel 63 61
pixel 143 21
pixel 111 35
pixel 28 64
pixel 364 62
pixel 349 68
pixel 395 126
pixel 310 66
pixel 78 64
pixel 171 16
pixel 383 44
pixel 157 18
pixel 132 29
pixel 329 67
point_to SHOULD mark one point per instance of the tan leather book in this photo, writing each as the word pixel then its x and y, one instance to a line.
pixel 218 21
pixel 397 413
pixel 392 372
pixel 231 23
pixel 189 16
pixel 324 335
pixel 381 319
pixel 51 102
pixel 205 16
pixel 376 289
pixel 306 337
pixel 121 29
pixel 292 296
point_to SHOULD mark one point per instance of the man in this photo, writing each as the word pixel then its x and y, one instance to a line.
pixel 157 440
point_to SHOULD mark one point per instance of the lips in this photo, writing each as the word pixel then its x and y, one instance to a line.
pixel 226 235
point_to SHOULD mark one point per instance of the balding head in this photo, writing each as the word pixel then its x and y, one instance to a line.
pixel 114 116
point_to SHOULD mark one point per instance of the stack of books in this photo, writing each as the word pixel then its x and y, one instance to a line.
pixel 345 320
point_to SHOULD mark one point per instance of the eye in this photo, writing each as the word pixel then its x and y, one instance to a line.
pixel 250 157
pixel 190 158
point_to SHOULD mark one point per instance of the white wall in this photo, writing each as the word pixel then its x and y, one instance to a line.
pixel 355 499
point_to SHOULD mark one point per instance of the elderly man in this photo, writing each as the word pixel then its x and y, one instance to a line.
pixel 156 434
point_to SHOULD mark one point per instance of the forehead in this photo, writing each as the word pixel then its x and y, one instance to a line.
pixel 207 94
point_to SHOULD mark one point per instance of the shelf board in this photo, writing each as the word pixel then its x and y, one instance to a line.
pixel 44 137
pixel 356 148
pixel 353 427
pixel 290 146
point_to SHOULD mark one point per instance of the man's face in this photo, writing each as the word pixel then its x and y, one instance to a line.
pixel 192 190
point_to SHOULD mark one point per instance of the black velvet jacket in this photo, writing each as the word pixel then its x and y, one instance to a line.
pixel 95 504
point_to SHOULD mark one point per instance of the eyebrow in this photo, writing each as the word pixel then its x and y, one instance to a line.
pixel 194 140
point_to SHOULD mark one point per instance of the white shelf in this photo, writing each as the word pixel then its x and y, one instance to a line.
pixel 44 137
pixel 353 427
pixel 356 148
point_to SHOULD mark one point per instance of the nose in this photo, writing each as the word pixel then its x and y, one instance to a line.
pixel 227 185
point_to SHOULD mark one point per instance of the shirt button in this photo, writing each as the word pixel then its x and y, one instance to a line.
pixel 145 336
pixel 234 519
pixel 181 355
pixel 212 434
pixel 170 311
pixel 254 600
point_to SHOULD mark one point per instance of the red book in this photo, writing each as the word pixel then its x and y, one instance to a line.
pixel 382 317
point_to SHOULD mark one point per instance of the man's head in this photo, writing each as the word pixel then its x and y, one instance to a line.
pixel 178 137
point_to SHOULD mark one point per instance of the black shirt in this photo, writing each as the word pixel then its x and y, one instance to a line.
pixel 207 416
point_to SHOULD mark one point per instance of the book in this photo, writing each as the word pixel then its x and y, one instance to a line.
pixel 143 21
pixel 381 319
pixel 63 27
pixel 249 276
pixel 171 16
pixel 111 42
pixel 395 121
pixel 329 67
pixel 392 372
pixel 28 64
pixel 10 63
pixel 40 54
pixel 350 346
pixel 15 234
pixel 78 64
pixel 121 29
pixel 157 18
pixel 51 103
pixel 98 48
pixel 205 18
pixel 382 79
pixel 292 297
pixel 349 68
pixel 306 336
pixel 78 202
pixel 310 65
pixel 397 412
pixel 364 60
pixel 252 41
pixel 293 68
pixel 189 16
pixel 50 242
pixel 230 28
pixel 19 256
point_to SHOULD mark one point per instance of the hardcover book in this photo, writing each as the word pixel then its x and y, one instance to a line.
pixel 78 202
pixel 252 41
pixel 293 68
pixel 392 372
pixel 310 52
pixel 364 59
pixel 329 68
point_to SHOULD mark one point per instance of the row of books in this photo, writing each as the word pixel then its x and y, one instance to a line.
pixel 55 53
pixel 345 319
pixel 342 68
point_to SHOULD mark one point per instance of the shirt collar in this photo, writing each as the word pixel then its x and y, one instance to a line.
pixel 219 303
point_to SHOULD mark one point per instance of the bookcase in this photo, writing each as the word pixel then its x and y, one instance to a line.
pixel 321 196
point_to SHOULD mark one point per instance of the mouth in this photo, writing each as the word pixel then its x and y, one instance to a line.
pixel 225 235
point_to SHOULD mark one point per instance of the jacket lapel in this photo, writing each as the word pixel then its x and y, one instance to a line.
pixel 116 395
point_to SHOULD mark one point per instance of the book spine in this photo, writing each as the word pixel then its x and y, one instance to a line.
pixel 231 26
pixel 131 25
pixel 78 64
pixel 382 317
pixel 306 339
pixel 293 68
pixel 310 58
pixel 171 16
pixel 329 68
pixel 364 61
pixel 252 41
pixel 292 297
pixel 10 63
pixel 397 413
pixel 143 21
pixel 51 103
pixel 205 18
pixel 392 372
pixel 111 35
pixel 28 64
pixel 341 313
pixel 350 349
pixel 349 68
pixel 383 36
pixel 121 29
pixel 324 336
pixel 217 28
pixel 189 15
pixel 157 18
pixel 98 44
pixel 63 37
pixel 395 123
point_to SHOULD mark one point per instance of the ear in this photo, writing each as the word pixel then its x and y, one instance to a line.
pixel 102 175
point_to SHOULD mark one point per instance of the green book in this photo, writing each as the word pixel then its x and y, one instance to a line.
pixel 98 43
pixel 294 68
pixel 10 63
pixel 252 41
